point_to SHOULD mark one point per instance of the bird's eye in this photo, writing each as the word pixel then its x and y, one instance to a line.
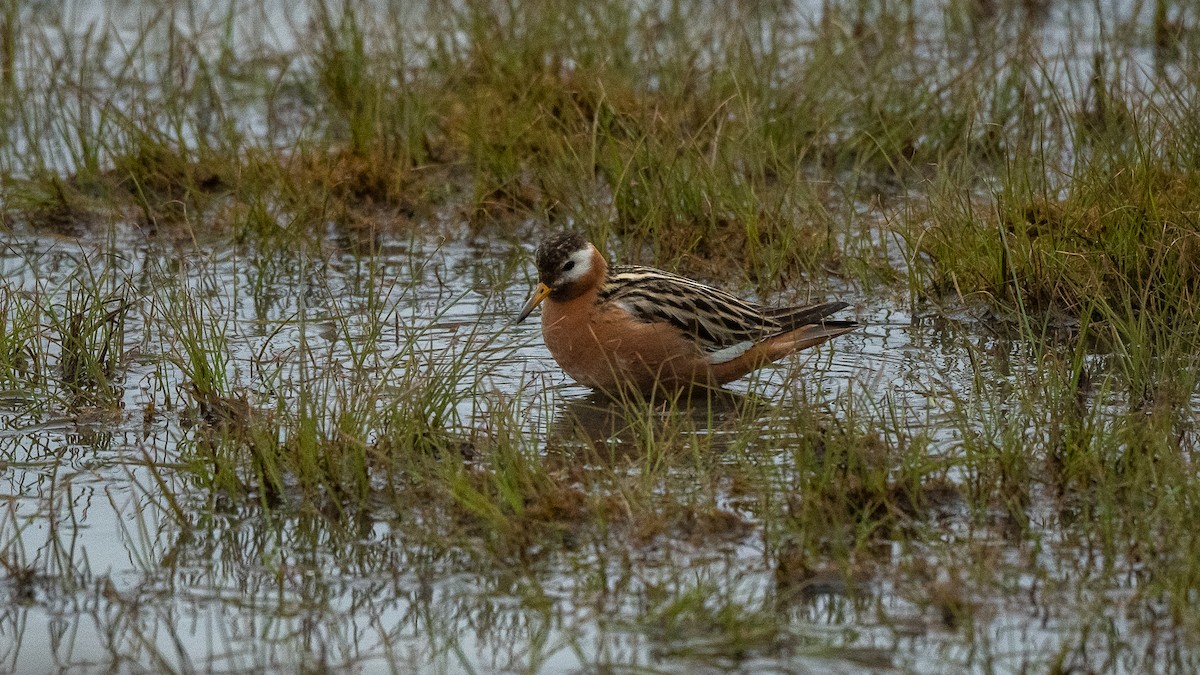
pixel 569 266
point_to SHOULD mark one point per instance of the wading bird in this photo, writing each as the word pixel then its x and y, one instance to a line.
pixel 630 327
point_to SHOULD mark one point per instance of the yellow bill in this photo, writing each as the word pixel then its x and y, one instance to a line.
pixel 539 294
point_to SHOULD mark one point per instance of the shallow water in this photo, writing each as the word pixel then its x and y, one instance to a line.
pixel 102 570
pixel 114 578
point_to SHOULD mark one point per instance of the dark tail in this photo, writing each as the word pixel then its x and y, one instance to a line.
pixel 791 318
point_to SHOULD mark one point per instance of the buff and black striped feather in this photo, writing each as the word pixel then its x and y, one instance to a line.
pixel 716 319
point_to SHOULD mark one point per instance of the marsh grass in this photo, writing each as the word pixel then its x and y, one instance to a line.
pixel 20 351
pixel 679 134
pixel 687 133
pixel 710 524
pixel 311 409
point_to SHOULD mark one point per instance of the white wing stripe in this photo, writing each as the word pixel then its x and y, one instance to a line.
pixel 729 353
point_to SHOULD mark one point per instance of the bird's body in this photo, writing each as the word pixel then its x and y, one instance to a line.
pixel 645 329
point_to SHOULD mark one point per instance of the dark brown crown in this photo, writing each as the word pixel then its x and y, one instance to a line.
pixel 553 253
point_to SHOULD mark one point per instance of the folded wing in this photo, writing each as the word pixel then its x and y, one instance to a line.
pixel 722 324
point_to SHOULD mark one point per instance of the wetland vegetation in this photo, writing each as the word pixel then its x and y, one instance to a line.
pixel 262 406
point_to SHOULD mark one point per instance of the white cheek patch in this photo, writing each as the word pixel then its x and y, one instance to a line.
pixel 583 264
pixel 729 353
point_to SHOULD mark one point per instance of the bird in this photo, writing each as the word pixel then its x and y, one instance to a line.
pixel 637 328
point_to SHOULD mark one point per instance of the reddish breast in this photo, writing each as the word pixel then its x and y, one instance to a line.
pixel 601 346
pixel 573 342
